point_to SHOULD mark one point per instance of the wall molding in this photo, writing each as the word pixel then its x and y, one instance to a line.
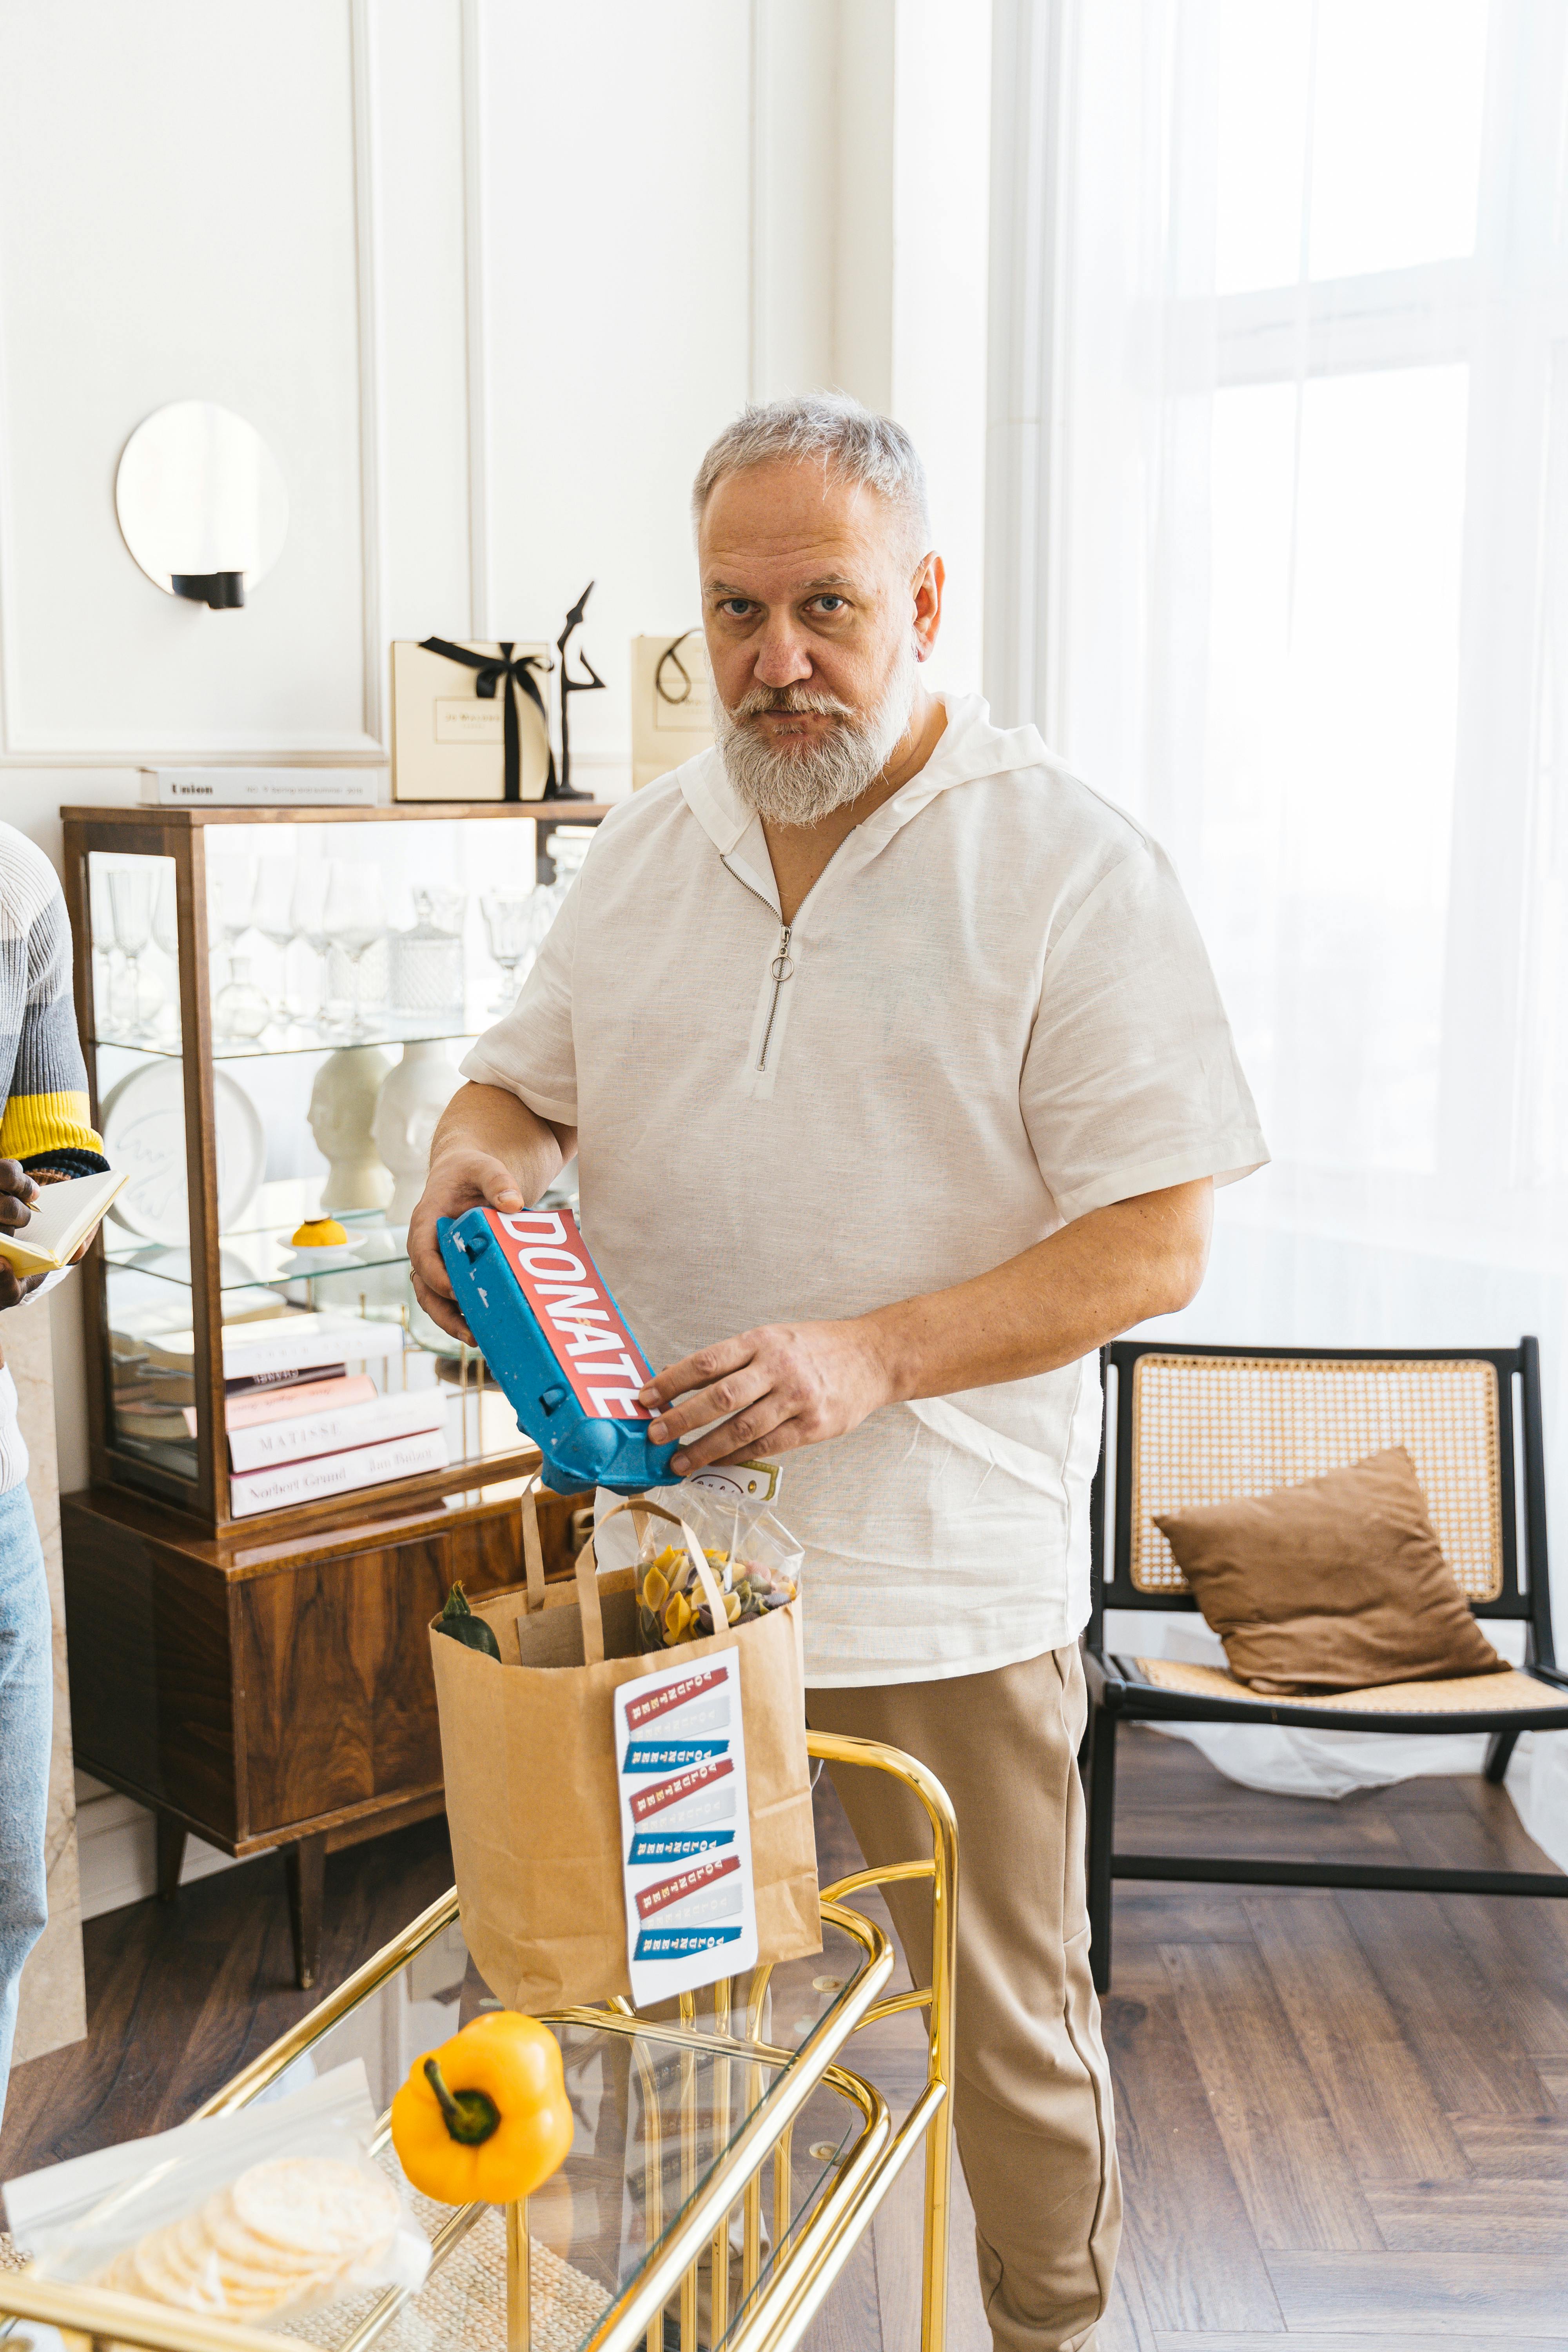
pixel 367 252
pixel 477 353
pixel 256 751
pixel 757 371
pixel 367 746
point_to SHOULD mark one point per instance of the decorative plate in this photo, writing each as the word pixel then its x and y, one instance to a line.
pixel 144 1131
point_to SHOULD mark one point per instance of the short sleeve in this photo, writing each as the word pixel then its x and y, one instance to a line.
pixel 1131 1081
pixel 529 1050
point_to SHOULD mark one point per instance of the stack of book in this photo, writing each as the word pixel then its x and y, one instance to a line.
pixel 300 1423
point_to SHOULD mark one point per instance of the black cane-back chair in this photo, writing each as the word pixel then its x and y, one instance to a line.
pixel 1186 1425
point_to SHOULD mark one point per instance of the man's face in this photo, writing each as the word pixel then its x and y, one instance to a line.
pixel 816 617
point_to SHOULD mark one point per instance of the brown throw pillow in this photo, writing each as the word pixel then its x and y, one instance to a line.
pixel 1337 1584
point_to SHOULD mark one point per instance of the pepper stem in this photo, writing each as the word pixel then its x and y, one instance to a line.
pixel 470 2117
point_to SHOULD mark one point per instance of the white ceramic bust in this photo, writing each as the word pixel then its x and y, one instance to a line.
pixel 342 1106
pixel 410 1101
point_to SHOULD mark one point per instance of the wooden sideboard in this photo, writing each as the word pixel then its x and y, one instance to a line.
pixel 276 1694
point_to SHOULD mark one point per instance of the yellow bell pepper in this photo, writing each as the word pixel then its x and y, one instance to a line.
pixel 486 2117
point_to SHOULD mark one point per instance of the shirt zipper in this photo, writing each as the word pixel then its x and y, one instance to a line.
pixel 782 967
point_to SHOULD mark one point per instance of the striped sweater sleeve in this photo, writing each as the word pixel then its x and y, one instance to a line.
pixel 46 1122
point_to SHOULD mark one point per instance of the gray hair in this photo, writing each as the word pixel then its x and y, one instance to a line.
pixel 829 427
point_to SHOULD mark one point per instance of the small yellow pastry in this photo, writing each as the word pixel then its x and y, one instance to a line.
pixel 319 1233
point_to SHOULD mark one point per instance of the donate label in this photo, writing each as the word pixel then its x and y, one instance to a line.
pixel 691 1913
pixel 579 1319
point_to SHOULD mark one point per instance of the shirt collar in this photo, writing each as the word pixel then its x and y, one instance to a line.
pixel 970 748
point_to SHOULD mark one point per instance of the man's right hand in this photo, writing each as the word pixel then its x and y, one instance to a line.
pixel 491 1152
pixel 462 1178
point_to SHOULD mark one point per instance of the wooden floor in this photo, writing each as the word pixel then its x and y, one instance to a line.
pixel 1344 2117
pixel 1344 2120
pixel 179 1997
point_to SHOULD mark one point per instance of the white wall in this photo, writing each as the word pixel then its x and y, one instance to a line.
pixel 486 274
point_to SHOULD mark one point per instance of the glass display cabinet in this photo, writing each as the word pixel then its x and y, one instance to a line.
pixel 273 1004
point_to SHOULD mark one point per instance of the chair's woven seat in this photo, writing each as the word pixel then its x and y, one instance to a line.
pixel 1506 1694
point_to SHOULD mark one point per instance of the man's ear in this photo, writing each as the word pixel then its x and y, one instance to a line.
pixel 930 580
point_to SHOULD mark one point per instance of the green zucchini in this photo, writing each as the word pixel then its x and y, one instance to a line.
pixel 459 1620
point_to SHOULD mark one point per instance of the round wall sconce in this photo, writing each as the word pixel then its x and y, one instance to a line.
pixel 201 502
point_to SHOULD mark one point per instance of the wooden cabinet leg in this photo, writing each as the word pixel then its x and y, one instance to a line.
pixel 306 1864
pixel 171 1855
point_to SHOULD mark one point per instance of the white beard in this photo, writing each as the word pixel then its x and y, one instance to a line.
pixel 800 784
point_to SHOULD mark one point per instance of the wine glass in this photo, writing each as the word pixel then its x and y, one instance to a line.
pixel 166 928
pixel 130 892
pixel 240 1009
pixel 512 928
pixel 308 913
pixel 106 956
pixel 272 914
pixel 231 895
pixel 354 918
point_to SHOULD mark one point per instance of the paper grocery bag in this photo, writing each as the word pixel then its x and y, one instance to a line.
pixel 528 1749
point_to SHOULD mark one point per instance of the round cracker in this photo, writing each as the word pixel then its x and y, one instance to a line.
pixel 240 2287
pixel 255 2284
pixel 236 2242
pixel 189 2246
pixel 163 2276
pixel 316 2205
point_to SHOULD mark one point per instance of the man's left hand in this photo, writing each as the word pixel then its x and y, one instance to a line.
pixel 785 1385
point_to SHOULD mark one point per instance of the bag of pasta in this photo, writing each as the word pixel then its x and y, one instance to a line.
pixel 755 1559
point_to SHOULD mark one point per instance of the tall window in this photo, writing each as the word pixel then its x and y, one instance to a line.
pixel 1306 602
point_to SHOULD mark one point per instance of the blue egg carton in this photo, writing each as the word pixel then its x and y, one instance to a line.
pixel 581 1449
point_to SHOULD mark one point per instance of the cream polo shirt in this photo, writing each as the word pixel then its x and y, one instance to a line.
pixel 998 1015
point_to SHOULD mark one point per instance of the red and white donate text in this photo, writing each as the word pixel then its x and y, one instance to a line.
pixel 577 1314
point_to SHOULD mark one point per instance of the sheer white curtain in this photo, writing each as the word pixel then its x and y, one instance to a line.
pixel 1287 430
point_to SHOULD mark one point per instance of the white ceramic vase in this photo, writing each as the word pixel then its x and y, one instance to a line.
pixel 342 1108
pixel 410 1101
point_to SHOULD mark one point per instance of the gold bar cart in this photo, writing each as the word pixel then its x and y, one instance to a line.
pixel 655 2231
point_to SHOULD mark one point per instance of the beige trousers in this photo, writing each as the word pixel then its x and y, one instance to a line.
pixel 1032 2105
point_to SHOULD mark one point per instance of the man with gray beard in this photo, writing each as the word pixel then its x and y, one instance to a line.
pixel 899 1083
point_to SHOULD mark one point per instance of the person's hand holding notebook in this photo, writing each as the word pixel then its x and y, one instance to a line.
pixel 44 1227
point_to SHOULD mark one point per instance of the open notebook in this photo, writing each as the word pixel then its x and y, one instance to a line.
pixel 63 1216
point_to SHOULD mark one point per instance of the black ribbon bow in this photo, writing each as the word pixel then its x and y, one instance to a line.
pixel 505 676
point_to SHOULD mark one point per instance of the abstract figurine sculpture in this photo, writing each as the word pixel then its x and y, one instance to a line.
pixel 563 789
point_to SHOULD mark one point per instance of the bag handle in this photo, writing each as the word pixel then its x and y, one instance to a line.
pixel 532 1551
pixel 588 1578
